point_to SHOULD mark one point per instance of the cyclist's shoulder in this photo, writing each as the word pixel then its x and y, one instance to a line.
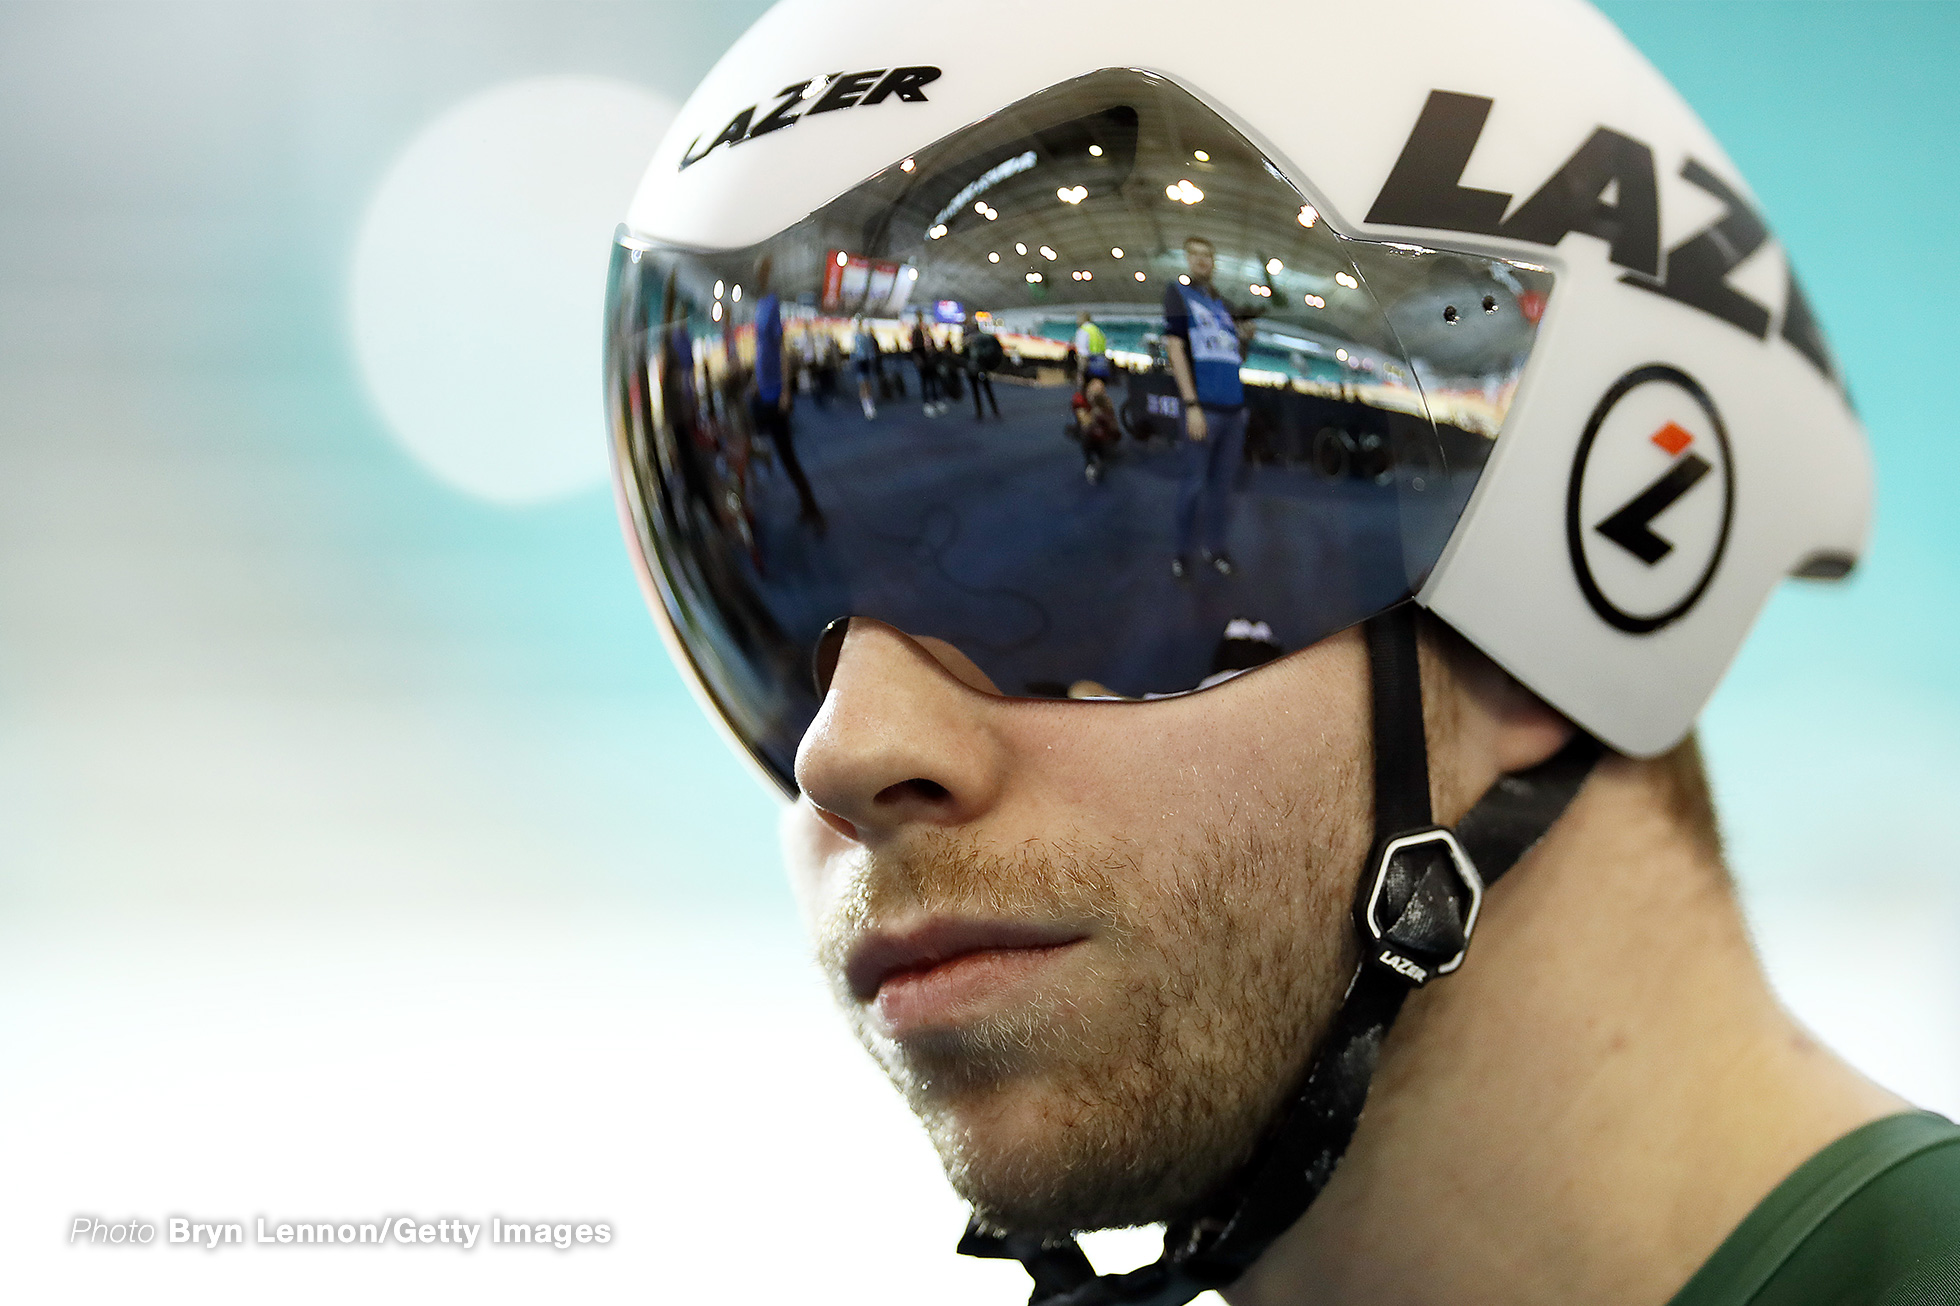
pixel 1872 1220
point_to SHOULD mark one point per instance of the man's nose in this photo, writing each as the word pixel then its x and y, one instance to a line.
pixel 907 736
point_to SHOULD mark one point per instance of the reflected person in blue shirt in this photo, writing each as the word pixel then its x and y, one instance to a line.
pixel 772 397
pixel 1206 347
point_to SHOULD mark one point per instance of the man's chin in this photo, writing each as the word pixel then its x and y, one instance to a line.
pixel 1042 1151
pixel 1022 1175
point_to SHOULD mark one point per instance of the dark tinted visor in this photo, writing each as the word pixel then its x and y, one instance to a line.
pixel 957 399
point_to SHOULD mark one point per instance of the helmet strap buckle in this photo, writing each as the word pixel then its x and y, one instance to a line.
pixel 1415 914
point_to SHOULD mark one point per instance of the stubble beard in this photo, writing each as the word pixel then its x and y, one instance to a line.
pixel 1124 1096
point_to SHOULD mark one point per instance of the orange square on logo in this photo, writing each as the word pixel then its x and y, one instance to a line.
pixel 1672 438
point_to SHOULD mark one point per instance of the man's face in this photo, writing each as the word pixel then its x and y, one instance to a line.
pixel 1091 943
pixel 1198 257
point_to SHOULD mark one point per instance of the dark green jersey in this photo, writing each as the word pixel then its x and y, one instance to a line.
pixel 1872 1220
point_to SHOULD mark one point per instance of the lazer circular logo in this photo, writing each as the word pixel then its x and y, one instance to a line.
pixel 1652 498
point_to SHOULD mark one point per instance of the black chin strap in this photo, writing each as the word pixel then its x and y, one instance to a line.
pixel 1417 905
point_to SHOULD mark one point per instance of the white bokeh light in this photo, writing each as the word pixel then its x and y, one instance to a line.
pixel 479 281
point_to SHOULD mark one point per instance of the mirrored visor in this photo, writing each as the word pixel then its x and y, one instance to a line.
pixel 1087 389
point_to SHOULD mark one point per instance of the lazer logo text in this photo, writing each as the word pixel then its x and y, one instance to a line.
pixel 1404 967
pixel 806 99
pixel 1608 189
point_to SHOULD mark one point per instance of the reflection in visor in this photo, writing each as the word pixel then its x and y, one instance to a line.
pixel 954 400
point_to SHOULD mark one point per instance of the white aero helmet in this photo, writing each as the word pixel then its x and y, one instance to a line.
pixel 1477 312
pixel 1678 440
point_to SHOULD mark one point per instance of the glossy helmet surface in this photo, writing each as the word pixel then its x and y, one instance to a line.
pixel 1679 440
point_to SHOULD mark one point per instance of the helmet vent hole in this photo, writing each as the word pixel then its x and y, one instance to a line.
pixel 1490 303
pixel 1449 314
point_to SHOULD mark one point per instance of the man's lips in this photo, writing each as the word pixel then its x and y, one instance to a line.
pixel 923 977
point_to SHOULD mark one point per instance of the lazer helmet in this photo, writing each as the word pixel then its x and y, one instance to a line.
pixel 1483 319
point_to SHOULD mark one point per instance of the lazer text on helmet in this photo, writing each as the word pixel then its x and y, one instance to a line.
pixel 794 103
pixel 1607 190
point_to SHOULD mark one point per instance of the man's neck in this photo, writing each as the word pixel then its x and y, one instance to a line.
pixel 1587 1108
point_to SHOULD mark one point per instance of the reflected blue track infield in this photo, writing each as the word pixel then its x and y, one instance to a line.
pixel 1102 550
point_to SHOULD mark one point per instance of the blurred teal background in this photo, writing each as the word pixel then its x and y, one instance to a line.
pixel 295 733
pixel 249 651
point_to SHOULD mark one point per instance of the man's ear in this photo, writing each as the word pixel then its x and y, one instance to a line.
pixel 1529 731
pixel 1518 728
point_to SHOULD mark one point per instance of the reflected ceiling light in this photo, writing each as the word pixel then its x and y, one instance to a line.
pixel 1274 266
pixel 1183 280
pixel 993 258
pixel 737 296
pixel 1315 301
pixel 719 287
pixel 937 231
pixel 908 165
pixel 1095 151
pixel 980 206
pixel 1347 281
pixel 1116 252
pixel 1141 277
pixel 1308 215
pixel 1020 248
pixel 1088 276
pixel 1047 252
pixel 1184 193
pixel 914 272
pixel 843 259
pixel 1034 277
pixel 1201 156
pixel 993 214
pixel 1072 194
pixel 717 313
pixel 1341 354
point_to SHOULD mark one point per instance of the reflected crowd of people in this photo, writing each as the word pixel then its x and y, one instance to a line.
pixel 1181 374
